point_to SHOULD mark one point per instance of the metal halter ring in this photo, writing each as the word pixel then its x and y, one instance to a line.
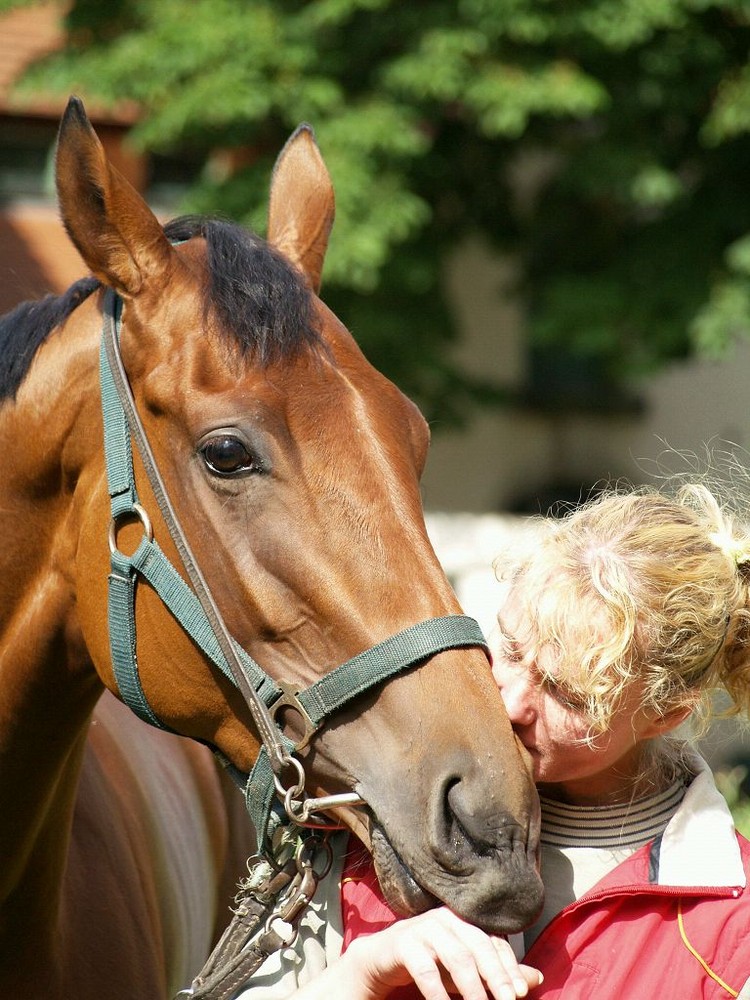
pixel 308 851
pixel 302 810
pixel 140 515
pixel 293 790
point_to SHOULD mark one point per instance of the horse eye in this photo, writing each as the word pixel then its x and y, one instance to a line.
pixel 227 456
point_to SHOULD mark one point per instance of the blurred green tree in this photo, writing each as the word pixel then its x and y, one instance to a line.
pixel 604 142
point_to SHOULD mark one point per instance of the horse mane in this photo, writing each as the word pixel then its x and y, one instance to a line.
pixel 261 302
pixel 25 328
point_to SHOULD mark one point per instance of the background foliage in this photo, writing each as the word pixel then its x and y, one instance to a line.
pixel 733 784
pixel 604 142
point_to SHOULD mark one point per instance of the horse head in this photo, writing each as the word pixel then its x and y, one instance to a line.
pixel 293 467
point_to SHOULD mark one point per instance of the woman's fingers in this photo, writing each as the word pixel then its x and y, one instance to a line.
pixel 443 953
pixel 440 960
pixel 438 951
pixel 494 960
pixel 523 977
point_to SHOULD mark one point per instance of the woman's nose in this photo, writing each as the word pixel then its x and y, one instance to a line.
pixel 518 695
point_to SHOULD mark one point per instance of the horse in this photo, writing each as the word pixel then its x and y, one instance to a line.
pixel 294 468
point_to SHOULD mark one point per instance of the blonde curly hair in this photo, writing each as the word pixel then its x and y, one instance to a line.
pixel 641 586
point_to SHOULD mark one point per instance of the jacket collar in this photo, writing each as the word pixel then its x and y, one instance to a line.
pixel 699 846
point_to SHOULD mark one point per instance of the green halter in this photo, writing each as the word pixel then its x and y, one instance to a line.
pixel 196 611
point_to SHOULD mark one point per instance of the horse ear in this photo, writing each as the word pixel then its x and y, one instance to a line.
pixel 112 227
pixel 301 207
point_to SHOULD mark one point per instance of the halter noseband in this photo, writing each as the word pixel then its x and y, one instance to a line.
pixel 196 611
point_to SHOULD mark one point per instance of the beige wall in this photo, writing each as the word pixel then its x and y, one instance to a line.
pixel 506 454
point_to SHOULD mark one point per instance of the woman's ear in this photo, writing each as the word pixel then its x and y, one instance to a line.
pixel 667 723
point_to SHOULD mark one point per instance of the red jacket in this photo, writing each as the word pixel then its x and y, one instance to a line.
pixel 671 922
pixel 623 941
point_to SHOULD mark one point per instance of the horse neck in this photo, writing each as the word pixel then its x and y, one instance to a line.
pixel 48 687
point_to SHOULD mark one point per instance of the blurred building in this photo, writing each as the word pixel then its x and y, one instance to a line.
pixel 35 254
pixel 568 432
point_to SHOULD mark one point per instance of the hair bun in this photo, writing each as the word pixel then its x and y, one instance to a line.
pixel 731 547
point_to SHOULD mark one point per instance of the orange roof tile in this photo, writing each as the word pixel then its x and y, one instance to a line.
pixel 26 35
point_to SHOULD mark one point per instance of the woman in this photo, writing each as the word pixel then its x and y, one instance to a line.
pixel 620 621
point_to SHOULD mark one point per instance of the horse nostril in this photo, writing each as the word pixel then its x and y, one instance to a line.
pixel 474 823
pixel 467 824
pixel 458 830
pixel 456 837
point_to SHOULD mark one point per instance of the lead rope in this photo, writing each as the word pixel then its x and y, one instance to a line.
pixel 269 906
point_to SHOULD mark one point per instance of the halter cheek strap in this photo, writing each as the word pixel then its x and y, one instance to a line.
pixel 196 611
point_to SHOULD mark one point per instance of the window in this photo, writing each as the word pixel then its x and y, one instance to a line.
pixel 27 160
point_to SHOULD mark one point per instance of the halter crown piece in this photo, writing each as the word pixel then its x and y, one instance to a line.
pixel 195 609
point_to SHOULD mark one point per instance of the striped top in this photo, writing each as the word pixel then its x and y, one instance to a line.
pixel 581 844
pixel 628 824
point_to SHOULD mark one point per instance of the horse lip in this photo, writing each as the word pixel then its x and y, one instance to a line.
pixel 402 892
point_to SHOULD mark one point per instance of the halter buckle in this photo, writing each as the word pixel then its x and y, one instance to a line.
pixel 289 698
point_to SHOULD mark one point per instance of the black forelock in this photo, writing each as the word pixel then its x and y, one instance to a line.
pixel 261 302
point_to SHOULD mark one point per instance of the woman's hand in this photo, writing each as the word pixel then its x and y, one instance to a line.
pixel 439 952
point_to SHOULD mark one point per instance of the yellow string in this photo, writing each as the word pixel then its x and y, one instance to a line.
pixel 694 953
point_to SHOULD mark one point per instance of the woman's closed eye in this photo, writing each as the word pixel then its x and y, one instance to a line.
pixel 509 648
pixel 573 700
